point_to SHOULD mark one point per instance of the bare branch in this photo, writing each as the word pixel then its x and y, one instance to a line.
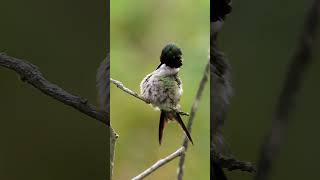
pixel 300 62
pixel 29 73
pixel 232 163
pixel 127 90
pixel 113 138
pixel 160 163
pixel 194 108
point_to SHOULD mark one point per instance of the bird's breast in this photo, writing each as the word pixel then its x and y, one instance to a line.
pixel 163 92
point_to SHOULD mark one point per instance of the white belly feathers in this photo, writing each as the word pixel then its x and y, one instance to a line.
pixel 162 88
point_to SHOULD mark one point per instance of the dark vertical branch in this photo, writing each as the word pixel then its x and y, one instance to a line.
pixel 300 62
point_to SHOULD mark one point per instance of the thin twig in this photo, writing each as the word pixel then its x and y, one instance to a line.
pixel 29 73
pixel 127 90
pixel 300 62
pixel 160 163
pixel 121 86
pixel 113 138
pixel 194 108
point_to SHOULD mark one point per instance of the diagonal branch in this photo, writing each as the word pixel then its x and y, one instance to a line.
pixel 121 86
pixel 191 118
pixel 112 150
pixel 300 62
pixel 160 163
pixel 30 73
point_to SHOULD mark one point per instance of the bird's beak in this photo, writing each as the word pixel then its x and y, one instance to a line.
pixel 159 66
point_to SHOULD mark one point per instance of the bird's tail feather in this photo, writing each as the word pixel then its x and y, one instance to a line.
pixel 164 118
pixel 179 120
pixel 163 122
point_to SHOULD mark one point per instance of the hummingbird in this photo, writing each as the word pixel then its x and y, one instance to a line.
pixel 163 88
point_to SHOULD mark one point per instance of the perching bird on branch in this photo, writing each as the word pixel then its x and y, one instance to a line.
pixel 220 85
pixel 163 88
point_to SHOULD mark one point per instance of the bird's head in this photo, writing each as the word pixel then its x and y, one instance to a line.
pixel 171 56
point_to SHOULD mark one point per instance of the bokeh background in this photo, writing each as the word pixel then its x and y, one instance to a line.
pixel 139 31
pixel 40 138
pixel 259 38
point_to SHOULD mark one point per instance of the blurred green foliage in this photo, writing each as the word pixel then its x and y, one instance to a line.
pixel 259 38
pixel 139 31
pixel 41 139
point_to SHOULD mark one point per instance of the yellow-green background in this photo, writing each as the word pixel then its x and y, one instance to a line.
pixel 259 38
pixel 139 31
pixel 40 138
